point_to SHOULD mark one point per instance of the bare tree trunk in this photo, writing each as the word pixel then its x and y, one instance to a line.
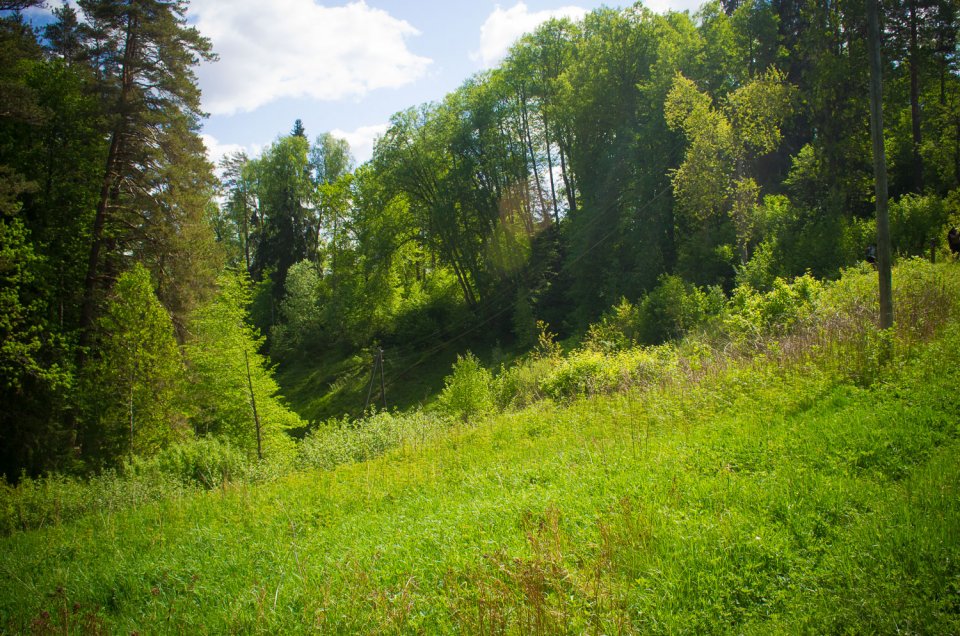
pixel 553 185
pixel 879 167
pixel 525 118
pixel 915 98
pixel 253 405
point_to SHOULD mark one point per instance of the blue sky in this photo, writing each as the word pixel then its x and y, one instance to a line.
pixel 346 66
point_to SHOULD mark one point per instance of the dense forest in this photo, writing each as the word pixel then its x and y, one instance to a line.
pixel 630 164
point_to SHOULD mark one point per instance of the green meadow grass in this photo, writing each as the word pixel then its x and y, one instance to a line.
pixel 762 499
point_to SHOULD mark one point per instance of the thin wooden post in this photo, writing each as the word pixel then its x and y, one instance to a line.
pixel 253 404
pixel 373 376
pixel 383 389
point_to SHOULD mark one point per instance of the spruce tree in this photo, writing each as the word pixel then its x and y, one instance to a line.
pixel 134 386
pixel 233 392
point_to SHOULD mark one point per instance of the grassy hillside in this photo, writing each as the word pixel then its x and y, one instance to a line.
pixel 800 488
pixel 321 389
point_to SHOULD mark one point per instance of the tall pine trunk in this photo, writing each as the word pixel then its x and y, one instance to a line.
pixel 915 98
pixel 107 187
pixel 879 166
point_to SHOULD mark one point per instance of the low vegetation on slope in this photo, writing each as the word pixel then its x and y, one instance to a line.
pixel 790 469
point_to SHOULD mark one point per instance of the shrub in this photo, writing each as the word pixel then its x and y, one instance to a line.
pixel 468 391
pixel 208 462
pixel 427 306
pixel 674 307
pixel 760 271
pixel 618 328
pixel 914 221
pixel 922 300
pixel 751 314
pixel 521 385
pixel 342 441
pixel 589 372
pixel 54 499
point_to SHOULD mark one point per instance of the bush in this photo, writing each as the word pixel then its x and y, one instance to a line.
pixel 914 222
pixel 922 300
pixel 428 306
pixel 521 385
pixel 588 372
pixel 618 328
pixel 341 441
pixel 208 462
pixel 751 314
pixel 760 271
pixel 468 391
pixel 674 307
pixel 54 499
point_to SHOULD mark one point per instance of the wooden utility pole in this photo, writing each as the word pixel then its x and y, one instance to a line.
pixel 879 166
pixel 377 362
pixel 383 387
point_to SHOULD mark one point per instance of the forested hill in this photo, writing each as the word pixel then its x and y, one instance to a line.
pixel 630 176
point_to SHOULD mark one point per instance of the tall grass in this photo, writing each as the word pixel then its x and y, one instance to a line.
pixel 723 484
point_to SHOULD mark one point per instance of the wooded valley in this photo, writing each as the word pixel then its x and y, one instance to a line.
pixel 639 231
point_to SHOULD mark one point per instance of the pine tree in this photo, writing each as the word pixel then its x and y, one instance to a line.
pixel 144 55
pixel 298 129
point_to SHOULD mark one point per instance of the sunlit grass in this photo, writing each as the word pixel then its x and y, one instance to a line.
pixel 778 494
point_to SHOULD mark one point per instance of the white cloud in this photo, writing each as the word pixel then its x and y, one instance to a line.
pixel 503 28
pixel 45 10
pixel 361 140
pixel 297 48
pixel 217 151
pixel 662 6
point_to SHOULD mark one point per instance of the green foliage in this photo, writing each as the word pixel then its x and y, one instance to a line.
pixel 752 314
pixel 205 462
pixel 673 308
pixel 618 328
pixel 338 442
pixel 924 300
pixel 680 505
pixel 915 221
pixel 712 180
pixel 760 272
pixel 524 321
pixel 24 337
pixel 520 384
pixel 288 232
pixel 468 391
pixel 427 308
pixel 132 389
pixel 54 499
pixel 232 385
pixel 299 312
pixel 589 372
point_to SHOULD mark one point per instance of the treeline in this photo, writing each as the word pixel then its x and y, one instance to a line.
pixel 117 338
pixel 630 155
pixel 602 160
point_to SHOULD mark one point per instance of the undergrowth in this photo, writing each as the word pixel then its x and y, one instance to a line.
pixel 790 469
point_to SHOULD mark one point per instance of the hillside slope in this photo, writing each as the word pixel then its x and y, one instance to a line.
pixel 765 497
